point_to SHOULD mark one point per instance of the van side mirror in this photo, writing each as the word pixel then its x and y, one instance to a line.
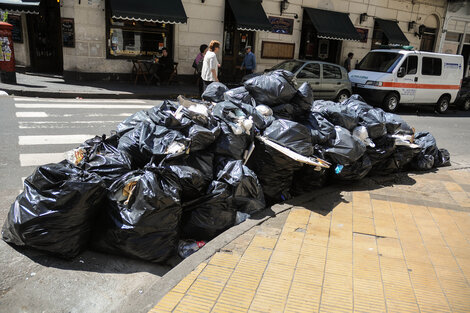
pixel 401 72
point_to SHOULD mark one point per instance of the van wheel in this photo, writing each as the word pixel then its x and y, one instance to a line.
pixel 466 105
pixel 442 104
pixel 391 101
pixel 343 96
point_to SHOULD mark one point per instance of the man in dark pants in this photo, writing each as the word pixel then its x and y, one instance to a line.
pixel 249 62
pixel 347 62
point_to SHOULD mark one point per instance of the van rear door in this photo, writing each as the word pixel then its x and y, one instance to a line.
pixel 430 82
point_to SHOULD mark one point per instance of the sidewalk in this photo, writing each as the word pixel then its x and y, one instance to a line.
pixel 377 246
pixel 55 87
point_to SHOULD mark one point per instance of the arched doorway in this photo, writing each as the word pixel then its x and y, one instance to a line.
pixel 429 35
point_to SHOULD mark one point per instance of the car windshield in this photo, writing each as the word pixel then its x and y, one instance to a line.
pixel 383 62
pixel 291 66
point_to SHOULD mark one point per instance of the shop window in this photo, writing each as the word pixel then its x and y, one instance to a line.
pixel 130 39
pixel 431 66
pixel 311 70
pixel 277 50
pixel 411 65
pixel 331 72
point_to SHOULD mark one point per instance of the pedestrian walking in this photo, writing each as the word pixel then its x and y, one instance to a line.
pixel 210 65
pixel 197 65
pixel 347 62
pixel 249 62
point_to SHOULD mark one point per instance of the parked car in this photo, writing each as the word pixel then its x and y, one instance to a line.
pixel 390 77
pixel 328 81
pixel 463 97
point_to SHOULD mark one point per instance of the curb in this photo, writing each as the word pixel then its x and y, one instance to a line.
pixel 73 95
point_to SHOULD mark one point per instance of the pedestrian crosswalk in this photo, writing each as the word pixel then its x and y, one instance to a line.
pixel 50 127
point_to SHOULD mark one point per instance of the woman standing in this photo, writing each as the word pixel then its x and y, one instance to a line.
pixel 197 65
pixel 210 65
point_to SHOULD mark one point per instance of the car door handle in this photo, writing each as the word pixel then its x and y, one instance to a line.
pixel 338 83
pixel 317 83
pixel 416 79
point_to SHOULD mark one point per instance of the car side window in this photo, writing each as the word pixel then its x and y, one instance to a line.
pixel 331 72
pixel 431 66
pixel 311 70
pixel 412 66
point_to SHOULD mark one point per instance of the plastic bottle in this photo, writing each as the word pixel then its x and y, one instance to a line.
pixel 188 247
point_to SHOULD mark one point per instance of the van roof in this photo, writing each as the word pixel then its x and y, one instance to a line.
pixel 403 51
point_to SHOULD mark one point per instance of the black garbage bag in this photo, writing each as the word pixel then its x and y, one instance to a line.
pixel 260 121
pixel 443 158
pixel 215 92
pixel 210 215
pixel 284 111
pixel 307 179
pixel 229 144
pixel 345 149
pixel 142 217
pixel 321 129
pixel 247 194
pixel 396 125
pixel 165 114
pixel 148 140
pixel 302 101
pixel 371 118
pixel 275 172
pixel 337 113
pixel 272 88
pixel 384 149
pixel 202 137
pixel 355 171
pixel 133 121
pixel 292 135
pixel 238 96
pixel 403 157
pixel 429 151
pixel 192 171
pixel 55 211
pixel 102 157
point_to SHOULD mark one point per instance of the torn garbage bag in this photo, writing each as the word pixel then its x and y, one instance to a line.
pixel 272 88
pixel 291 135
pixel 345 149
pixel 55 211
pixel 215 92
pixel 100 155
pixel 142 217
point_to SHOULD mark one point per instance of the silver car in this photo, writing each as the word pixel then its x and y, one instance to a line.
pixel 328 81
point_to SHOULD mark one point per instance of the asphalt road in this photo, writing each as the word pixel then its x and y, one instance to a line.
pixel 32 133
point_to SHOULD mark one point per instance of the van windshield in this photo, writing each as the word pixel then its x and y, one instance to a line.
pixel 383 62
pixel 291 66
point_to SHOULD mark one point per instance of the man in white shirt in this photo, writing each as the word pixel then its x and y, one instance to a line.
pixel 210 65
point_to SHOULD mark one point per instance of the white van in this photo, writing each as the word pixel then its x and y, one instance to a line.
pixel 392 76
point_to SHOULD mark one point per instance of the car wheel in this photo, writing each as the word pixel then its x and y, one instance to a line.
pixel 442 104
pixel 343 96
pixel 466 105
pixel 391 101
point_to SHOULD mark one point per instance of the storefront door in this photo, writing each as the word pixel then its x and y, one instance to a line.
pixel 45 44
pixel 233 52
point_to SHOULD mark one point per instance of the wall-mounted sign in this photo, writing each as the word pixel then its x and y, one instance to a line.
pixel 282 25
pixel 17 32
pixel 277 50
pixel 68 33
pixel 363 32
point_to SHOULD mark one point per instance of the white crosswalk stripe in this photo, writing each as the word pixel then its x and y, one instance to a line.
pixel 50 127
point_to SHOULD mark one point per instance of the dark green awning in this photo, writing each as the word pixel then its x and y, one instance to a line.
pixel 332 25
pixel 250 15
pixel 393 32
pixel 20 6
pixel 157 11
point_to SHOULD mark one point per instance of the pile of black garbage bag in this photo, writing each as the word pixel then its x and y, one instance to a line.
pixel 190 169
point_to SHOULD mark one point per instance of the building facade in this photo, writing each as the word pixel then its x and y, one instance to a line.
pixel 97 39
